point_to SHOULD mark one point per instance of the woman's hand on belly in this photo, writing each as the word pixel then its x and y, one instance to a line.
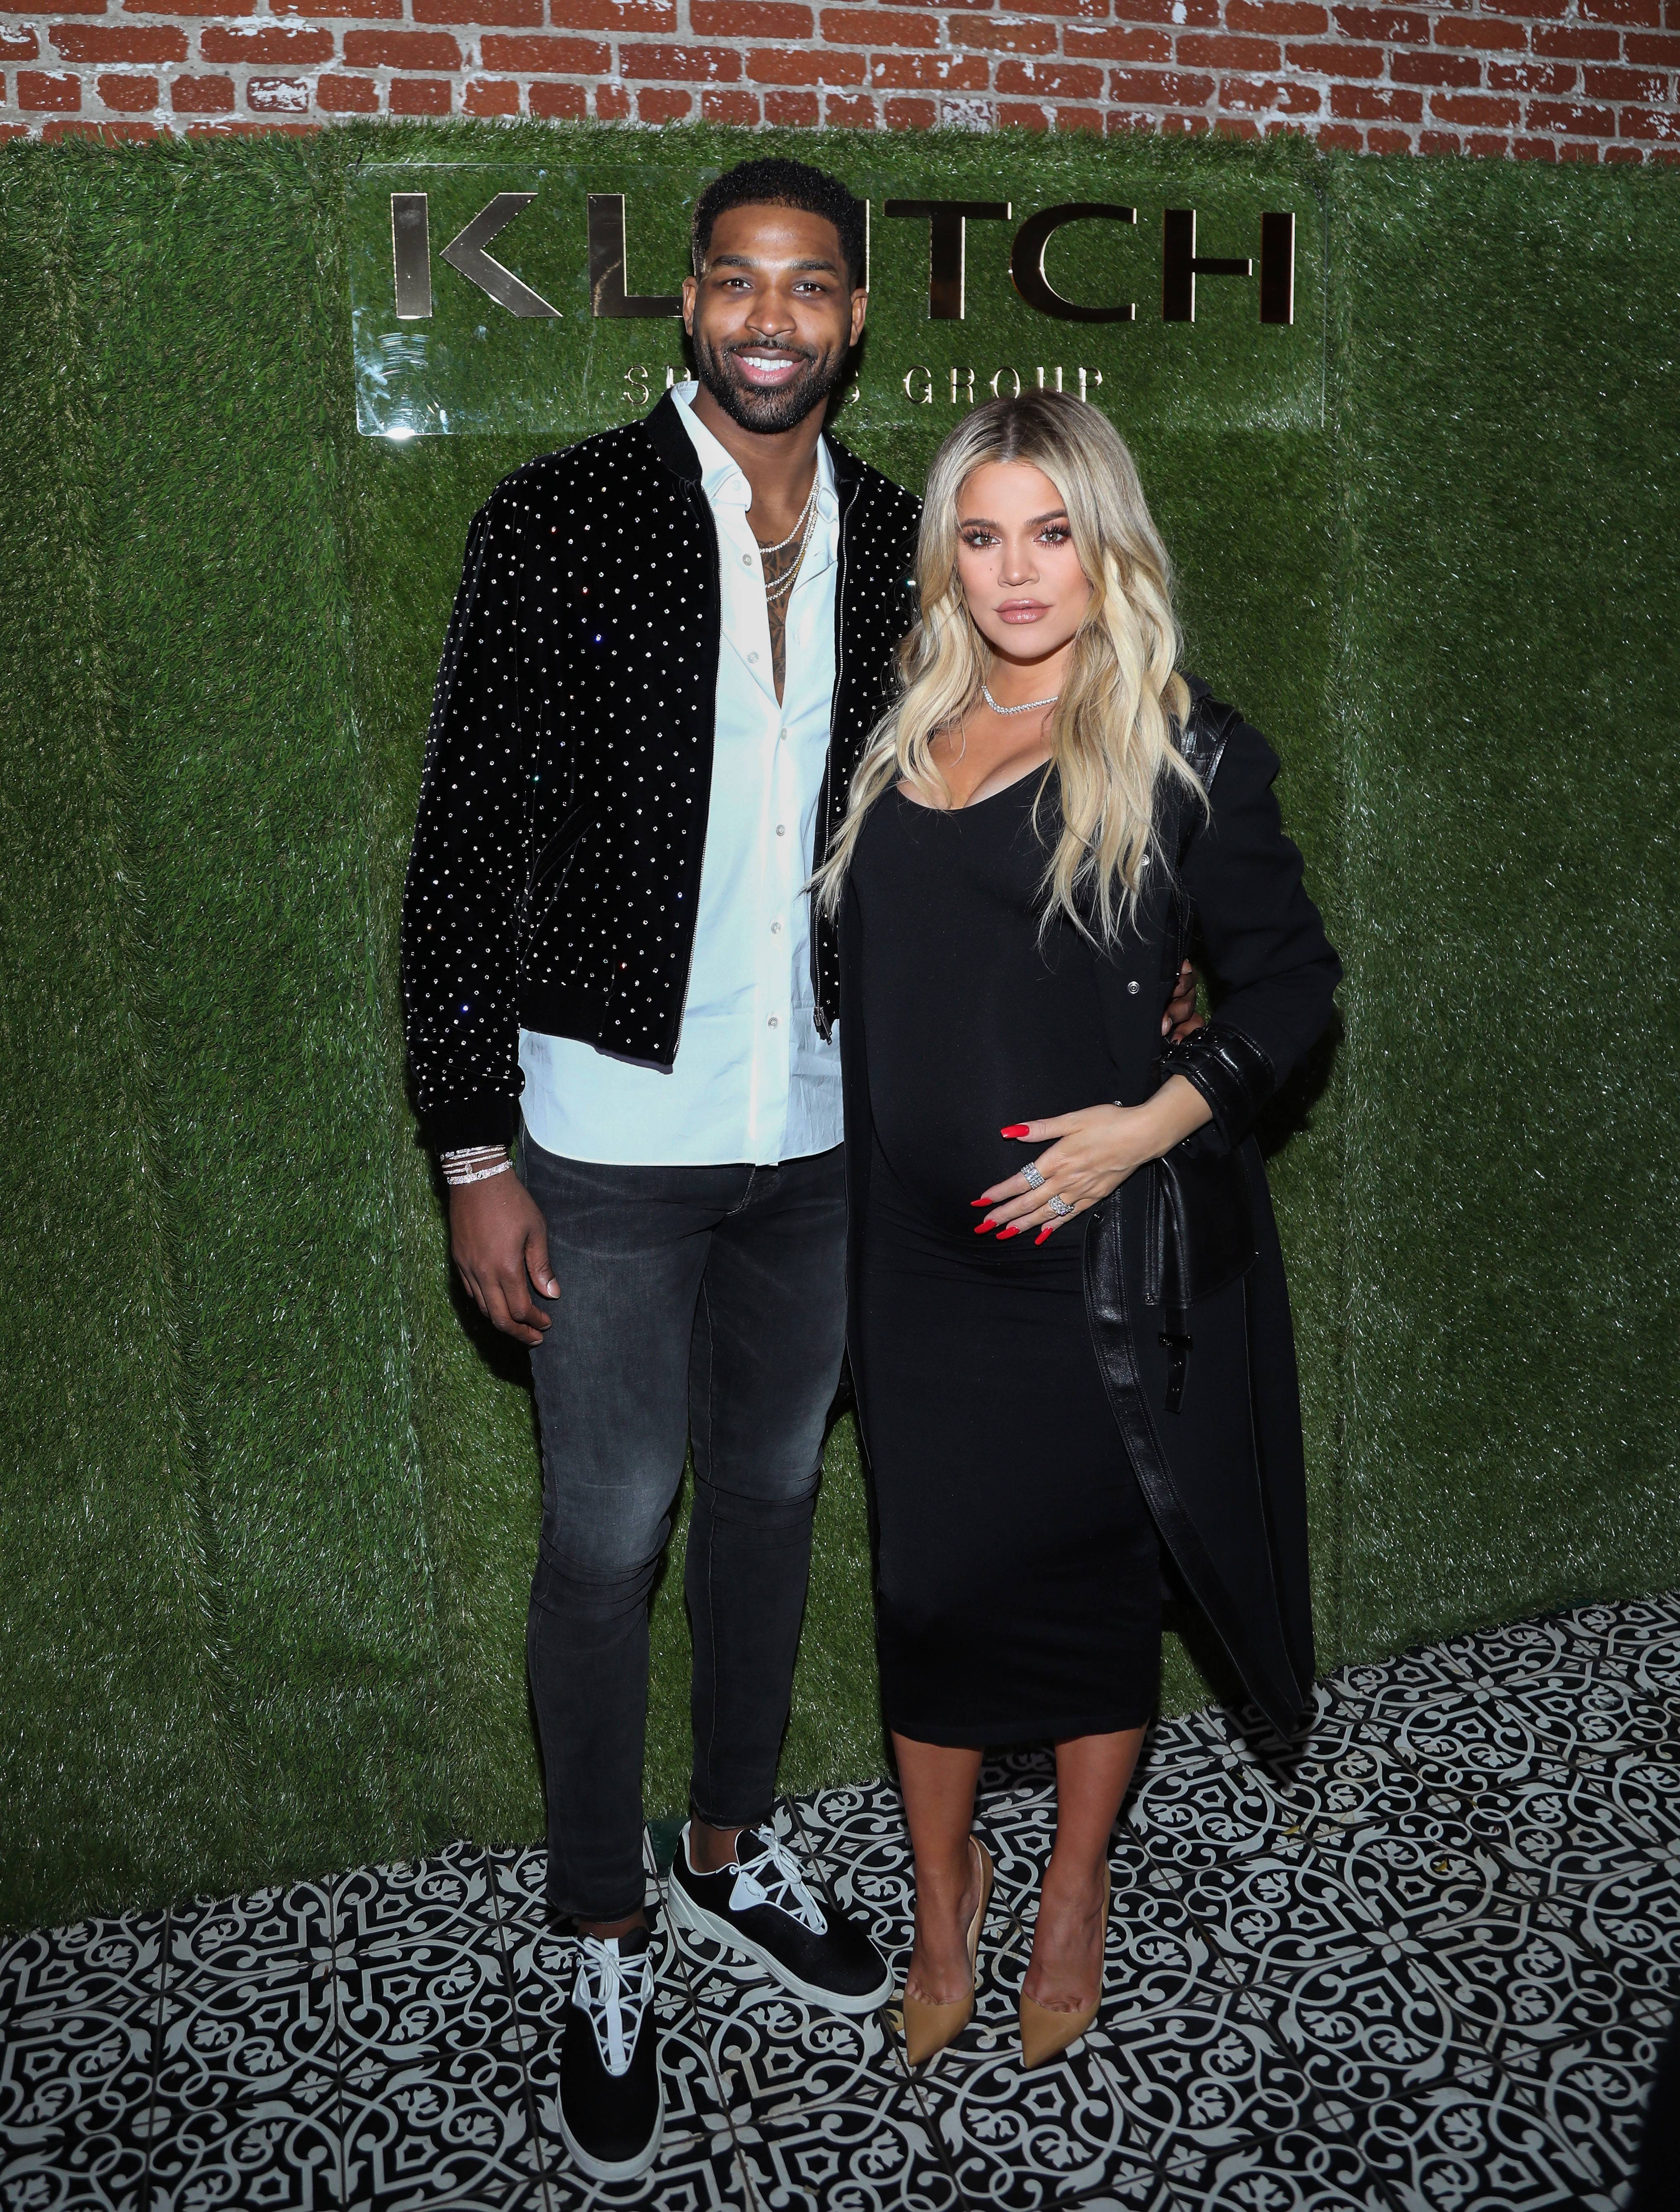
pixel 1086 1155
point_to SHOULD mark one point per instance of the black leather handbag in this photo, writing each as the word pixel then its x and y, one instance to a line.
pixel 1200 1235
pixel 1199 1238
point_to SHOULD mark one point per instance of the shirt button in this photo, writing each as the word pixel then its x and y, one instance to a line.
pixel 1131 988
pixel 746 560
pixel 752 661
pixel 775 929
pixel 781 828
pixel 773 1021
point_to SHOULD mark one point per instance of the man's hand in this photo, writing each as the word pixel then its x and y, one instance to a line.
pixel 1181 1018
pixel 499 1242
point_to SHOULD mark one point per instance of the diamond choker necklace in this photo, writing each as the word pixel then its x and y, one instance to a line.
pixel 985 692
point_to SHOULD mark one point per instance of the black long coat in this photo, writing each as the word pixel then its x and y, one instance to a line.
pixel 1206 1395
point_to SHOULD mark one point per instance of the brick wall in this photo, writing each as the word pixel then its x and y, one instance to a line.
pixel 1548 80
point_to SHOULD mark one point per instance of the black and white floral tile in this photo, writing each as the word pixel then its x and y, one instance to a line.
pixel 1424 1966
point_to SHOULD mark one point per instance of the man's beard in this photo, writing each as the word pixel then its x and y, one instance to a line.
pixel 768 412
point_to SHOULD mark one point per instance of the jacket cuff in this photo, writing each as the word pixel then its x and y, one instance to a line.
pixel 1231 1073
pixel 489 1117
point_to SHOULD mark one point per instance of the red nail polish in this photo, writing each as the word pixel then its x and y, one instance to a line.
pixel 1014 1230
pixel 1016 1129
pixel 1042 1233
pixel 981 1227
pixel 979 1201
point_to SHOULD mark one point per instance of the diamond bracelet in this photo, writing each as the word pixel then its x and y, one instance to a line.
pixel 461 1167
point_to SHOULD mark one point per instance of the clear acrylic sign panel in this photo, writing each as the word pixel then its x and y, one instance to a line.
pixel 473 309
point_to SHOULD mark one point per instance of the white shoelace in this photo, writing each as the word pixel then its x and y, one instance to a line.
pixel 775 1879
pixel 613 1993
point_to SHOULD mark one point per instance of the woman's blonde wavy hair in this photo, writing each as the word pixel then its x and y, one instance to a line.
pixel 1111 730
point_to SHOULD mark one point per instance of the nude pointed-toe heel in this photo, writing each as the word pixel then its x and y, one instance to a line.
pixel 1046 2034
pixel 930 2027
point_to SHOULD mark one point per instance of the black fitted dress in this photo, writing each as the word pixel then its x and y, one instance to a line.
pixel 1018 1576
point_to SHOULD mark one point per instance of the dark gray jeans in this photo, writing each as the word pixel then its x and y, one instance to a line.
pixel 702 1304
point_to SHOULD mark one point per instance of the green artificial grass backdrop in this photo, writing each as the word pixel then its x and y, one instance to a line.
pixel 270 1494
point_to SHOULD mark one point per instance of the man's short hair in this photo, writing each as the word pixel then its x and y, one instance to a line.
pixel 777 182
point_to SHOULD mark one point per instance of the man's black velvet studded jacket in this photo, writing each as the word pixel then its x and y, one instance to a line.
pixel 556 863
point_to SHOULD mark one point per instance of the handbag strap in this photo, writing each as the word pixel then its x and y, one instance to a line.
pixel 1203 738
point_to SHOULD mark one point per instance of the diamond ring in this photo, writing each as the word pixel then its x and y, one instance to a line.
pixel 1058 1207
pixel 1031 1177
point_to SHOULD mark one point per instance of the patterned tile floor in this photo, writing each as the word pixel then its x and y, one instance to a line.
pixel 1426 1969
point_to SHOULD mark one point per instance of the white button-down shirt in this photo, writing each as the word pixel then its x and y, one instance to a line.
pixel 752 1081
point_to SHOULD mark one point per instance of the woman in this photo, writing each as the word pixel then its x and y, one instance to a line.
pixel 1068 1323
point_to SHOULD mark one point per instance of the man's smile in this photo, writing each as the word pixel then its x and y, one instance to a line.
pixel 768 368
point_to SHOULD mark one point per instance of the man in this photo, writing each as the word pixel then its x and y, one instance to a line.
pixel 669 645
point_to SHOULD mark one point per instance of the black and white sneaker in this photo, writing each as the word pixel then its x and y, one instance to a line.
pixel 612 2106
pixel 761 1904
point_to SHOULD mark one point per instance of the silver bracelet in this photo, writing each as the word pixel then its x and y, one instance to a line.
pixel 461 1172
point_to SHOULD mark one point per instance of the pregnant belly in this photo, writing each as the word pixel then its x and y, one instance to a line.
pixel 940 1163
pixel 960 1050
